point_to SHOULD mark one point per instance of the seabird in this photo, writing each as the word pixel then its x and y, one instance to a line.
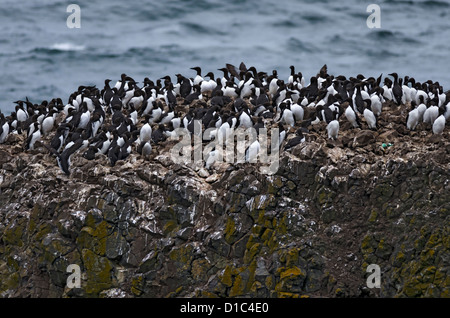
pixel 4 128
pixel 211 158
pixel 156 113
pixel 145 149
pixel 245 120
pixel 158 134
pixel 145 133
pixel 198 77
pixel 412 119
pixel 430 114
pixel 369 116
pixel 292 142
pixel 113 154
pixel 282 133
pixel 33 136
pixel 252 152
pixel 397 90
pixel 297 111
pixel 286 115
pixel 230 90
pixel 260 124
pixel 208 85
pixel 333 129
pixel 64 159
pixel 195 95
pixel 352 117
pixel 439 125
pixel 58 140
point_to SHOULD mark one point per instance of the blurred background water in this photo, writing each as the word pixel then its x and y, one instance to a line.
pixel 41 58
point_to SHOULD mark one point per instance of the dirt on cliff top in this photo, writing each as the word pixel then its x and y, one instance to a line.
pixel 390 140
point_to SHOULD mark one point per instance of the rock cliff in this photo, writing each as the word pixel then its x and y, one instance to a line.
pixel 150 228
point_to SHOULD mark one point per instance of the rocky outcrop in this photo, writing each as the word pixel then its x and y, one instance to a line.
pixel 152 228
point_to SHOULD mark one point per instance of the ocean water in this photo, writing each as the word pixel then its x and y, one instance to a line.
pixel 41 58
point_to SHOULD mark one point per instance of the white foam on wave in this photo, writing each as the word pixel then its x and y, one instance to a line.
pixel 67 47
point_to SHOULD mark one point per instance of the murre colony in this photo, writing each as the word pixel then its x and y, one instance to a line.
pixel 126 117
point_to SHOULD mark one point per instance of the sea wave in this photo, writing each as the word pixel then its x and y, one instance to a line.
pixel 66 46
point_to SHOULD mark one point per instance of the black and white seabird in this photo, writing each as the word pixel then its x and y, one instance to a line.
pixel 90 153
pixel 358 100
pixel 156 113
pixel 158 134
pixel 198 77
pixel 439 125
pixel 170 96
pixel 211 157
pixel 286 115
pixel 33 136
pixel 259 125
pixel 4 128
pixel 145 148
pixel 299 138
pixel 376 104
pixel 252 152
pixel 58 140
pixel 64 159
pixel 369 116
pixel 185 85
pixel 412 119
pixel 48 123
pixel 397 90
pixel 352 116
pixel 333 129
pixel 230 89
pixel 297 111
pixel 195 95
pixel 282 134
pixel 113 154
pixel 245 121
pixel 208 85
pixel 145 133
pixel 430 114
pixel 21 114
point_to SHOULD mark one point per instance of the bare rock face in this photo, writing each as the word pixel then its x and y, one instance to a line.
pixel 363 138
pixel 153 228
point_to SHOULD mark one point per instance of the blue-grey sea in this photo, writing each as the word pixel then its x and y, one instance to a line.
pixel 42 58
